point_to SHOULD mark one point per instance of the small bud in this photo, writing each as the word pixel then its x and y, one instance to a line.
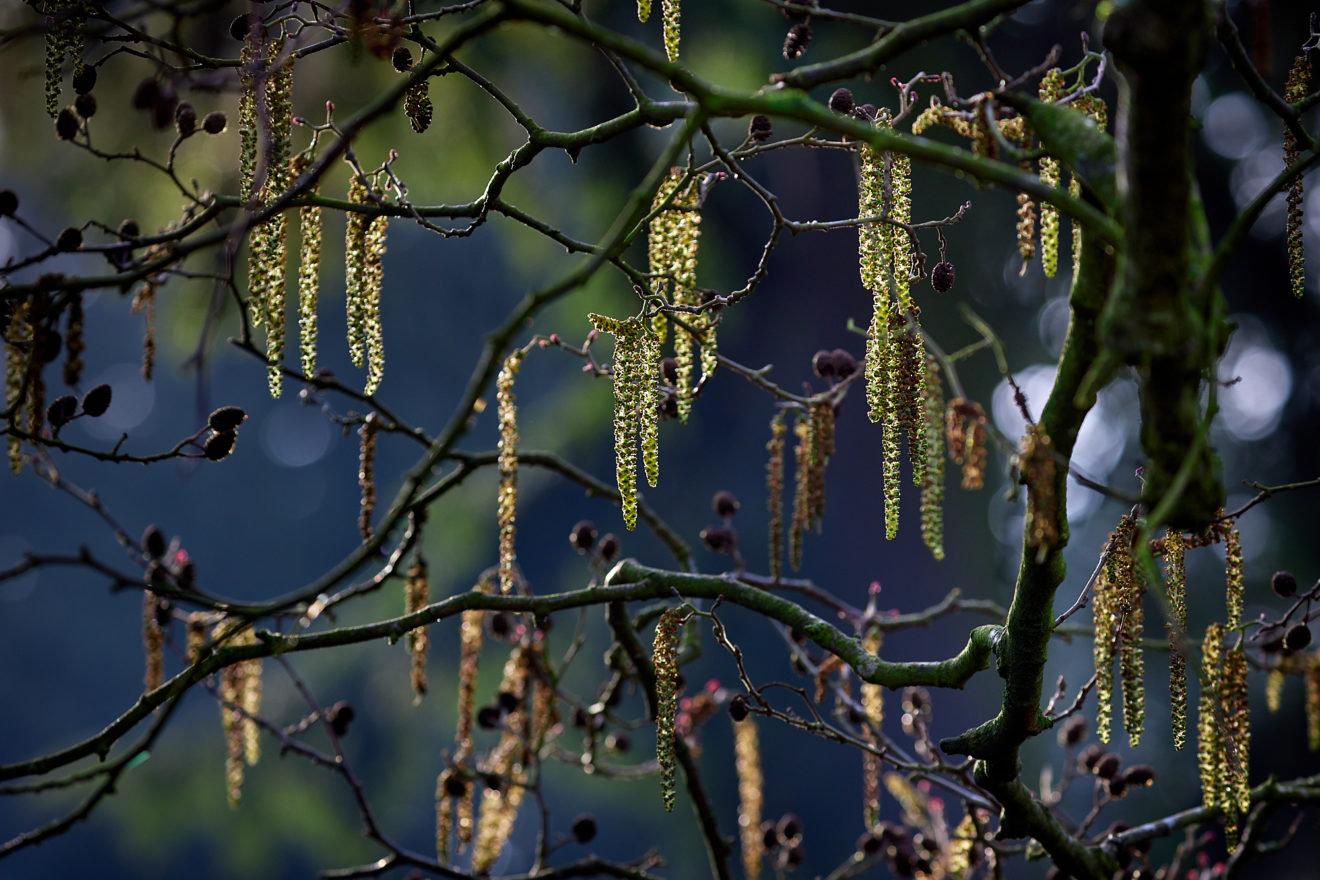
pixel 85 105
pixel 455 785
pixel 1297 637
pixel 618 741
pixel 865 112
pixel 84 80
pixel 822 362
pixel 402 59
pixel 789 828
pixel 46 346
pixel 1284 583
pixel 153 542
pixel 869 844
pixel 1118 786
pixel 66 124
pixel 506 701
pixel 186 576
pixel 718 538
pixel 1273 645
pixel 797 40
pixel 769 835
pixel 1140 775
pixel 96 401
pixel 238 28
pixel 499 624
pixel 162 111
pixel 1073 731
pixel 759 129
pixel 583 536
pixel 738 710
pixel 214 122
pixel 144 96
pixel 8 202
pixel 584 828
pixel 608 548
pixel 488 717
pixel 340 715
pixel 128 230
pixel 841 101
pixel 226 418
pixel 219 445
pixel 844 364
pixel 1107 766
pixel 70 239
pixel 185 119
pixel 941 277
pixel 61 410
pixel 724 504
pixel 669 371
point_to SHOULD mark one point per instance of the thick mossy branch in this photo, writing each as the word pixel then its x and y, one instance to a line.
pixel 951 673
pixel 1025 816
pixel 1156 322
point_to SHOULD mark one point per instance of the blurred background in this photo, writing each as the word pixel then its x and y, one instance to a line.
pixel 282 509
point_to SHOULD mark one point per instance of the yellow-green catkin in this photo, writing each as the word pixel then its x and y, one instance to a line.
pixel 673 241
pixel 1313 702
pixel 900 245
pixel 1175 584
pixel 1210 722
pixel 1295 89
pixel 669 9
pixel 240 702
pixel 1051 90
pixel 1038 470
pixel 802 480
pixel 416 596
pixel 821 419
pixel 665 657
pixel 1237 712
pixel 774 488
pixel 1274 688
pixel 873 706
pixel 751 795
pixel 355 258
pixel 643 10
pixel 471 635
pixel 1111 600
pixel 1128 594
pixel 892 427
pixel 636 401
pixel 962 848
pixel 508 467
pixel 932 483
pixel 65 39
pixel 1234 576
pixel 507 761
pixel 373 276
pixel 1224 728
pixel 309 272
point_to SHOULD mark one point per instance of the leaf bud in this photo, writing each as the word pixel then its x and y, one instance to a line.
pixel 66 124
pixel 797 40
pixel 844 363
pixel 488 717
pixel 85 105
pixel 1073 731
pixel 144 96
pixel 226 418
pixel 608 548
pixel 96 401
pixel 402 59
pixel 340 715
pixel 583 536
pixel 238 28
pixel 153 542
pixel 718 538
pixel 1284 584
pixel 214 122
pixel 1140 775
pixel 455 785
pixel 669 371
pixel 584 828
pixel 8 202
pixel 61 410
pixel 70 239
pixel 1297 637
pixel 738 710
pixel 724 504
pixel 1107 765
pixel 84 80
pixel 185 119
pixel 759 129
pixel 941 277
pixel 842 101
pixel 129 230
pixel 822 363
pixel 219 445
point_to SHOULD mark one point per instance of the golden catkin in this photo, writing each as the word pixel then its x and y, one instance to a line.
pixel 74 345
pixel 499 805
pixel 649 398
pixel 1112 602
pixel 636 402
pixel 1026 229
pixel 240 702
pixel 1274 688
pixel 643 10
pixel 444 815
pixel 1051 90
pixel 900 245
pixel 367 473
pixel 1175 584
pixel 1234 576
pixel 1313 702
pixel 1038 469
pixel 932 484
pixel 801 490
pixel 966 435
pixel 373 276
pixel 821 426
pixel 1237 716
pixel 911 394
pixel 18 350
pixel 416 596
pixel 1295 89
pixel 669 10
pixel 751 795
pixel 962 848
pixel 508 466
pixel 1209 724
pixel 664 653
pixel 470 639
pixel 309 272
pixel 892 427
pixel 153 641
pixel 873 705
pixel 144 303
pixel 774 488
